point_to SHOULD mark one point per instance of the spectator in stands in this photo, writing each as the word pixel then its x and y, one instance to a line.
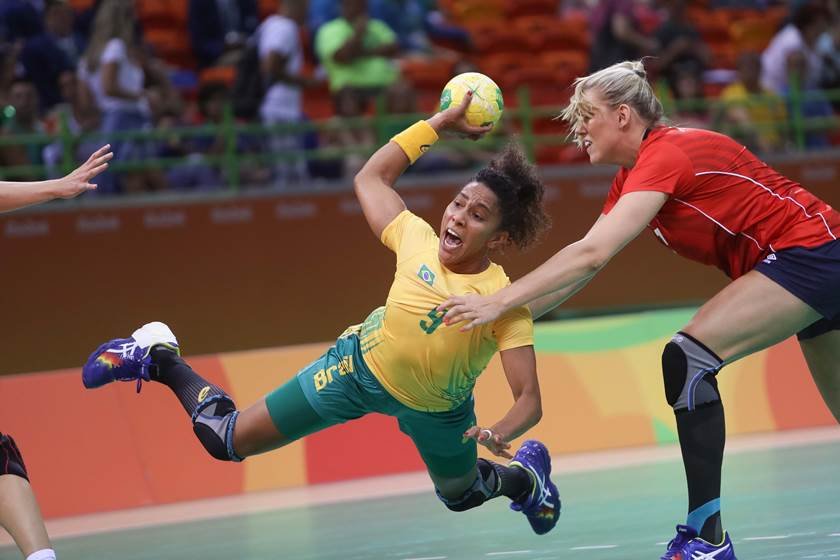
pixel 416 24
pixel 407 19
pixel 18 20
pixel 218 29
pixel 356 52
pixel 281 65
pixel 616 34
pixel 807 105
pixel 22 118
pixel 679 42
pixel 756 115
pixel 807 22
pixel 828 49
pixel 59 20
pixel 79 118
pixel 116 69
pixel 686 86
pixel 43 60
pixel 9 53
pixel 356 137
pixel 213 98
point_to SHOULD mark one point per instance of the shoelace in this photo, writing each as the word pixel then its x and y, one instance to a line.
pixel 675 545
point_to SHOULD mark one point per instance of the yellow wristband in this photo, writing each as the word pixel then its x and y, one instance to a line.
pixel 416 140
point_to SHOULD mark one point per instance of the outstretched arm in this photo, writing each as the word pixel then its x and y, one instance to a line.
pixel 570 267
pixel 15 195
pixel 520 365
pixel 374 184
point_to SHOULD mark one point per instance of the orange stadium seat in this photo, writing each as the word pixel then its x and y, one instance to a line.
pixel 224 74
pixel 80 5
pixel 318 103
pixel 172 45
pixel 724 55
pixel 500 66
pixel 467 12
pixel 162 13
pixel 752 34
pixel 518 8
pixel 498 37
pixel 266 8
pixel 554 33
pixel 428 72
pixel 572 62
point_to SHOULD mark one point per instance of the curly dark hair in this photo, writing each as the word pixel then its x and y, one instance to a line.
pixel 515 182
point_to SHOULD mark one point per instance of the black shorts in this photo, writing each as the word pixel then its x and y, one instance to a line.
pixel 812 275
pixel 11 461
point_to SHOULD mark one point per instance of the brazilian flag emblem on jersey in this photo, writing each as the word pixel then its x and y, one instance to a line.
pixel 426 275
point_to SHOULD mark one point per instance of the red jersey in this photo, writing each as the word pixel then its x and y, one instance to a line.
pixel 725 207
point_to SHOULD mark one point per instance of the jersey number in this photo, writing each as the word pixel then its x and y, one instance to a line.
pixel 436 317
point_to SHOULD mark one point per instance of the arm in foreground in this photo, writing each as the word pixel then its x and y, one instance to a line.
pixel 14 195
pixel 568 269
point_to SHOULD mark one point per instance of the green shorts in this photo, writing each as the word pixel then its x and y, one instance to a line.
pixel 339 387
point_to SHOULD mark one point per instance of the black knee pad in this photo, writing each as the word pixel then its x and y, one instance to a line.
pixel 481 490
pixel 213 425
pixel 688 371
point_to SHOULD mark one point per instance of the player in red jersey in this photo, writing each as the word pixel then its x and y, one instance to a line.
pixel 710 200
pixel 19 511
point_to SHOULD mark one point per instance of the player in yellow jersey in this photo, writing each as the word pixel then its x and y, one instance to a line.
pixel 401 361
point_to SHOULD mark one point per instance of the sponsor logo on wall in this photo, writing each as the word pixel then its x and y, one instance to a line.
pixel 31 227
pixel 99 223
pixel 231 214
pixel 164 219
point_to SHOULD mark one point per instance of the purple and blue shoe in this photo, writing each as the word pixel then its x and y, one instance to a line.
pixel 127 359
pixel 542 505
pixel 688 546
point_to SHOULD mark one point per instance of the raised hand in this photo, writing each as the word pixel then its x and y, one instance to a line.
pixel 78 181
pixel 454 119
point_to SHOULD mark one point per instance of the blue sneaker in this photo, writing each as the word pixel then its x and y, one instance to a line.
pixel 127 359
pixel 688 546
pixel 542 505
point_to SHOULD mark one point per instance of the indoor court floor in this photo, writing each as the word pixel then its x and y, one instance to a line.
pixel 781 501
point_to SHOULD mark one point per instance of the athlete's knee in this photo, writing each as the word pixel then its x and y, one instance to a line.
pixel 688 370
pixel 213 424
pixel 482 489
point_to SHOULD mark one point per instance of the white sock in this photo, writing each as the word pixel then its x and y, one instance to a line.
pixel 43 554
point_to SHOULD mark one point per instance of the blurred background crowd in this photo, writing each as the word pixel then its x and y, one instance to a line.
pixel 198 95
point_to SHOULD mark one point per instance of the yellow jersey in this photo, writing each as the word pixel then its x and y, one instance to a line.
pixel 423 363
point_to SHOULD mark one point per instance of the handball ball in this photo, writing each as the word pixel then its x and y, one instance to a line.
pixel 487 104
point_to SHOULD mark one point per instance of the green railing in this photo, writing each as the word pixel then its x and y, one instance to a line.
pixel 520 121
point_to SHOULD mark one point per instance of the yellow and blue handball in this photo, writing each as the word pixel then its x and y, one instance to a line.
pixel 487 104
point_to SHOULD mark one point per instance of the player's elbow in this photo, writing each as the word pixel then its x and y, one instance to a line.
pixel 593 258
pixel 359 181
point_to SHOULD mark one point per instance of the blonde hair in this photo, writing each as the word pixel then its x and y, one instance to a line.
pixel 114 20
pixel 624 83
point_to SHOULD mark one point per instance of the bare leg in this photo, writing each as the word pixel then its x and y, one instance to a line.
pixel 21 516
pixel 750 314
pixel 822 354
pixel 255 432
